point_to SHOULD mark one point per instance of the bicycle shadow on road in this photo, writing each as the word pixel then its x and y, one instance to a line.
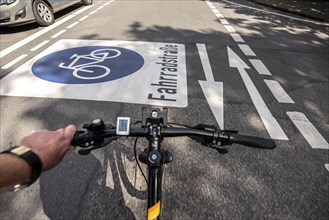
pixel 85 194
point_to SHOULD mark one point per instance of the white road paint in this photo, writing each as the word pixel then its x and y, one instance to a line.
pixel 212 90
pixel 40 45
pixel 58 34
pixel 310 133
pixel 224 21
pixel 247 50
pixel 270 123
pixel 7 66
pixel 93 12
pixel 327 166
pixel 205 62
pixel 237 38
pixel 219 15
pixel 166 86
pixel 278 92
pixel 260 67
pixel 84 18
pixel 21 43
pixel 230 29
pixel 72 25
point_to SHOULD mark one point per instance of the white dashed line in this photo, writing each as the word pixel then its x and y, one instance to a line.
pixel 260 67
pixel 72 25
pixel 310 133
pixel 237 38
pixel 14 61
pixel 224 21
pixel 59 33
pixel 246 50
pixel 40 45
pixel 93 12
pixel 83 18
pixel 219 15
pixel 33 37
pixel 230 29
pixel 278 92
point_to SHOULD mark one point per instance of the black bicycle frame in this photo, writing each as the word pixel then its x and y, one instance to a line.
pixel 154 179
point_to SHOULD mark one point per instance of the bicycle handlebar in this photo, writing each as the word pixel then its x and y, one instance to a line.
pixel 206 137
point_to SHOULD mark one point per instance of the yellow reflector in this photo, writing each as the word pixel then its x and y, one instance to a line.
pixel 154 211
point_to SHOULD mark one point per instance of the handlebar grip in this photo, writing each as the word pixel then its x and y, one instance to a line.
pixel 251 141
pixel 82 139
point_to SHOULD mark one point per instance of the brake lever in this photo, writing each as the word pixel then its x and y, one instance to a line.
pixel 204 141
pixel 86 151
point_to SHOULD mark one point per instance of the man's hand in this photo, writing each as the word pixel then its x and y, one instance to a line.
pixel 50 146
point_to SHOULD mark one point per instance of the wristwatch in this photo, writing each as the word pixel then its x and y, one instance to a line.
pixel 31 158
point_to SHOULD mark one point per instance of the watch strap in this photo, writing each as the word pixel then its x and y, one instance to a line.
pixel 31 158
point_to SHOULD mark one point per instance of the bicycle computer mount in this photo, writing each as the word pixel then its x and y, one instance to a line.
pixel 154 116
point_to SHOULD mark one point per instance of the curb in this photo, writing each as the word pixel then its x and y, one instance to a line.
pixel 291 11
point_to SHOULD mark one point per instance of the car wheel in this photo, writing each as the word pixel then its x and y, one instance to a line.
pixel 87 2
pixel 43 13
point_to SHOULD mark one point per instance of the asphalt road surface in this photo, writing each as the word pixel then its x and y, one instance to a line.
pixel 234 64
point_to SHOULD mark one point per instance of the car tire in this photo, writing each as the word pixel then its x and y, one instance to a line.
pixel 87 2
pixel 43 13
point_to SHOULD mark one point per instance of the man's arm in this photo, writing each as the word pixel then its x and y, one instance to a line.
pixel 13 170
pixel 49 146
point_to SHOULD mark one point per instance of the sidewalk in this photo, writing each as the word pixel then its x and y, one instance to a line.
pixel 313 9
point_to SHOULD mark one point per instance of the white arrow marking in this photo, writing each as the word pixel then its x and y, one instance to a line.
pixel 213 91
pixel 272 126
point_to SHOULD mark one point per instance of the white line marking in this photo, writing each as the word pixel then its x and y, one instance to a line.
pixel 278 91
pixel 99 8
pixel 40 45
pixel 72 25
pixel 229 28
pixel 82 10
pixel 219 15
pixel 59 33
pixel 83 18
pixel 14 61
pixel 93 12
pixel 310 133
pixel 216 11
pixel 237 38
pixel 270 123
pixel 213 91
pixel 224 21
pixel 205 62
pixel 260 67
pixel 246 50
pixel 327 166
pixel 21 43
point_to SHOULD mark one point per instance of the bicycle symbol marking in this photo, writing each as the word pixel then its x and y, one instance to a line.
pixel 91 63
pixel 88 65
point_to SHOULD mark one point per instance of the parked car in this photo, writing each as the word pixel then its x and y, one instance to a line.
pixel 42 11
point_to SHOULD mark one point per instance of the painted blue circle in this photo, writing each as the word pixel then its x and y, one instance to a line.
pixel 90 64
